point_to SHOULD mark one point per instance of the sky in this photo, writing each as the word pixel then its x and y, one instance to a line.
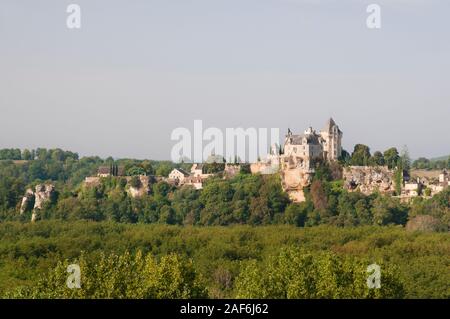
pixel 136 70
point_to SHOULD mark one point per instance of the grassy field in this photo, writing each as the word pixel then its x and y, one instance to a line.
pixel 425 173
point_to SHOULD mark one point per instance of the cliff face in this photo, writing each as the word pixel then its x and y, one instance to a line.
pixel 43 194
pixel 142 189
pixel 35 200
pixel 27 201
pixel 294 177
pixel 368 179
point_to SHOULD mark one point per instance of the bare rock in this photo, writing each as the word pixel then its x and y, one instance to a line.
pixel 27 201
pixel 43 194
pixel 140 189
pixel 369 179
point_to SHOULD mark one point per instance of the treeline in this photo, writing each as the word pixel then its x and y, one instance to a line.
pixel 425 163
pixel 361 156
pixel 37 154
pixel 156 261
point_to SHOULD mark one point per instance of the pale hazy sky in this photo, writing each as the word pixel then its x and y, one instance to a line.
pixel 138 69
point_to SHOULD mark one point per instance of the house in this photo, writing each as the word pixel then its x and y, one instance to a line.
pixel 412 189
pixel 444 178
pixel 178 175
pixel 197 170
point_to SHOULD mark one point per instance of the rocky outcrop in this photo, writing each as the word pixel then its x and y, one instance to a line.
pixel 35 200
pixel 138 186
pixel 92 181
pixel 369 179
pixel 43 194
pixel 294 177
pixel 27 201
pixel 293 181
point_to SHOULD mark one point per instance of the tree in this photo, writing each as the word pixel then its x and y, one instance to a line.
pixel 164 169
pixel 391 157
pixel 387 210
pixel 148 167
pixel 122 276
pixel 405 159
pixel 318 195
pixel 26 155
pixel 398 178
pixel 213 168
pixel 135 170
pixel 421 163
pixel 167 215
pixel 295 214
pixel 295 274
pixel 377 159
pixel 345 157
pixel 360 155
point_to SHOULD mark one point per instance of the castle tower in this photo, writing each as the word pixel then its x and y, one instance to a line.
pixel 332 137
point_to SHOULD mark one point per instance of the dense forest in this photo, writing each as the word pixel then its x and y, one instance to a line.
pixel 120 260
pixel 158 245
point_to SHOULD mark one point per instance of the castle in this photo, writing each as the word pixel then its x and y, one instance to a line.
pixel 295 160
pixel 307 147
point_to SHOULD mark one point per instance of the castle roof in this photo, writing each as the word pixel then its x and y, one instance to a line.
pixel 297 139
pixel 329 125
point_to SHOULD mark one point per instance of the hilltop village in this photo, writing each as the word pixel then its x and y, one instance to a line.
pixel 296 163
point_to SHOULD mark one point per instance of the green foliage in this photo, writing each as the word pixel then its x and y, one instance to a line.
pixel 116 225
pixel 136 170
pixel 121 276
pixel 387 210
pixel 164 169
pixel 10 154
pixel 360 155
pixel 377 159
pixel 135 182
pixel 296 274
pixel 438 206
pixel 213 168
pixel 398 179
pixel 425 163
pixel 391 157
pixel 219 254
